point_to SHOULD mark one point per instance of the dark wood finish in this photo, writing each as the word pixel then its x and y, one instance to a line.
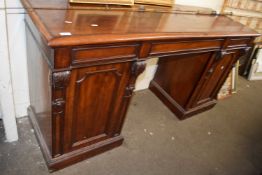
pixel 183 76
pixel 83 66
pixel 95 96
pixel 187 71
pixel 83 55
pixel 179 46
pixel 192 81
pixel 216 73
pixel 124 24
pixel 239 42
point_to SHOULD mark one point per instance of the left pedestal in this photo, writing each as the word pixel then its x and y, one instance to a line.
pixel 76 112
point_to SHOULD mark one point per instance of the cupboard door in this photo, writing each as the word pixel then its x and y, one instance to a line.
pixel 94 99
pixel 178 76
pixel 213 79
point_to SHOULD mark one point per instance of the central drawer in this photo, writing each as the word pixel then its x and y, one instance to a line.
pixel 179 46
pixel 82 55
pixel 239 42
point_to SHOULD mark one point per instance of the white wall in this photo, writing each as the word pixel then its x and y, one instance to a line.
pixel 259 60
pixel 2 4
pixel 6 91
pixel 17 50
pixel 13 4
pixel 14 97
pixel 213 4
pixel 144 79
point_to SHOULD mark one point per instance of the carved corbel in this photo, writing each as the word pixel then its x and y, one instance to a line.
pixel 60 79
pixel 220 54
pixel 137 68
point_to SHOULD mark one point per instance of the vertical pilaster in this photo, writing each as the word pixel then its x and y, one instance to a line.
pixel 60 82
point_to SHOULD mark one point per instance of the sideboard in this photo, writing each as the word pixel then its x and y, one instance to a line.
pixel 83 64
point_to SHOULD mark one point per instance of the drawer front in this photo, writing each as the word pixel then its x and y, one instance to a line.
pixel 239 42
pixel 170 47
pixel 97 53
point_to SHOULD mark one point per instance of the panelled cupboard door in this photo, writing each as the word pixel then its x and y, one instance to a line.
pixel 182 74
pixel 94 98
pixel 214 78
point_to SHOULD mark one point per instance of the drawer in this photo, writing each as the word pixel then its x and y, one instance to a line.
pixel 239 42
pixel 105 52
pixel 169 47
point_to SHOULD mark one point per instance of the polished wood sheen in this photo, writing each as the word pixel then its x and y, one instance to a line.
pixel 83 63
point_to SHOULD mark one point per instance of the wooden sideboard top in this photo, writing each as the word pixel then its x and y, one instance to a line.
pixel 61 24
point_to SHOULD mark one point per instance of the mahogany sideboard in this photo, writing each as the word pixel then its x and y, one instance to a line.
pixel 83 64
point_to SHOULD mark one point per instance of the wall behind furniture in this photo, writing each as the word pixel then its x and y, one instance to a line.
pixel 2 5
pixel 213 4
pixel 17 55
pixel 13 4
pixel 7 107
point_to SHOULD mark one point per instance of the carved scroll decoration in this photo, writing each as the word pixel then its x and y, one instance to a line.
pixel 136 70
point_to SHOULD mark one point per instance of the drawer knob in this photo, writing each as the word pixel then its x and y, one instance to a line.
pixel 222 67
pixel 210 70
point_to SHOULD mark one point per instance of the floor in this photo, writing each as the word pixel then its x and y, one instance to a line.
pixel 226 140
